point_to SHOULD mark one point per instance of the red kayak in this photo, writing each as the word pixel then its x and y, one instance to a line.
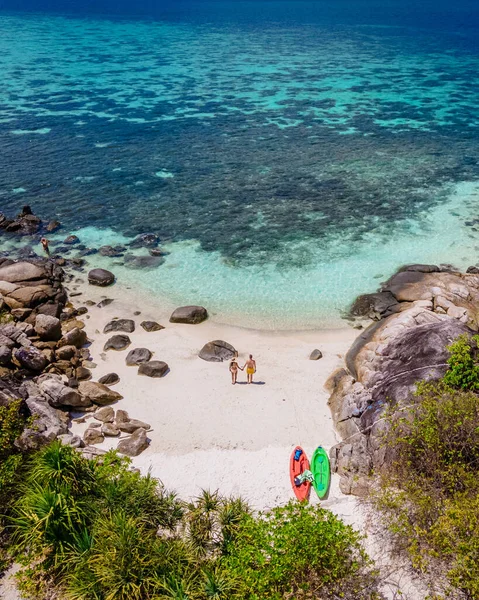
pixel 298 464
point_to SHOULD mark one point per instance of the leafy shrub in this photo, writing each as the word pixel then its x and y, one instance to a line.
pixel 12 424
pixel 463 364
pixel 430 495
pixel 295 551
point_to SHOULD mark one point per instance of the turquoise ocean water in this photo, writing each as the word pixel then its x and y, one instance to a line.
pixel 290 155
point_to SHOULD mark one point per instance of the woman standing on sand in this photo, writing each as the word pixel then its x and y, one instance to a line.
pixel 234 366
pixel 250 365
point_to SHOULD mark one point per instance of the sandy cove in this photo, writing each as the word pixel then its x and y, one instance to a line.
pixel 206 432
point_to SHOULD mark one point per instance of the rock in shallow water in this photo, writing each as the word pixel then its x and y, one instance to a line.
pixel 143 262
pixel 217 351
pixel 100 277
pixel 189 314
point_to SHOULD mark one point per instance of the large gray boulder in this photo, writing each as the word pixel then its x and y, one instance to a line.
pixel 48 422
pixel 135 444
pixel 126 325
pixel 117 342
pixel 153 368
pixel 100 277
pixel 21 271
pixel 29 296
pixel 374 306
pixel 217 351
pixel 138 356
pixel 384 366
pixel 48 328
pixel 60 395
pixel 98 393
pixel 189 314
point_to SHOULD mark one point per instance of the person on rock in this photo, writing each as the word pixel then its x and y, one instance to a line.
pixel 250 365
pixel 234 366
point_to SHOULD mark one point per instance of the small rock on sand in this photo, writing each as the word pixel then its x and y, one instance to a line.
pixel 138 356
pixel 154 368
pixel 117 342
pixel 151 326
pixel 109 379
pixel 127 325
pixel 316 355
pixel 135 444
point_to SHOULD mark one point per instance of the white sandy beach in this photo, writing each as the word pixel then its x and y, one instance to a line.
pixel 207 433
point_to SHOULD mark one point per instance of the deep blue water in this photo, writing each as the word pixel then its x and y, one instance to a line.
pixel 282 136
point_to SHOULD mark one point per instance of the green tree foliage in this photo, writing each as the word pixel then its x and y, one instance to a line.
pixel 463 363
pixel 96 530
pixel 298 551
pixel 12 424
pixel 430 496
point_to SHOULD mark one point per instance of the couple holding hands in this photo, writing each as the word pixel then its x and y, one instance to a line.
pixel 250 366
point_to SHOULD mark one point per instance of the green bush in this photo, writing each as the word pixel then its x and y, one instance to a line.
pixel 295 551
pixel 12 424
pixel 463 364
pixel 430 495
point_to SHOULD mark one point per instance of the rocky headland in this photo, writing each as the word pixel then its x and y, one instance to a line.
pixel 415 315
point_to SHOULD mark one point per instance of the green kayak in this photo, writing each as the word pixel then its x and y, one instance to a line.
pixel 320 469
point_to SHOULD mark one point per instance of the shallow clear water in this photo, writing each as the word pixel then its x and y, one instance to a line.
pixel 289 155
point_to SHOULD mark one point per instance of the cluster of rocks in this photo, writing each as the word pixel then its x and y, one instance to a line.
pixel 45 363
pixel 26 223
pixel 108 423
pixel 140 357
pixel 416 314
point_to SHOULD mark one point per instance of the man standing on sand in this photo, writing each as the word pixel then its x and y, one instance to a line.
pixel 250 365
